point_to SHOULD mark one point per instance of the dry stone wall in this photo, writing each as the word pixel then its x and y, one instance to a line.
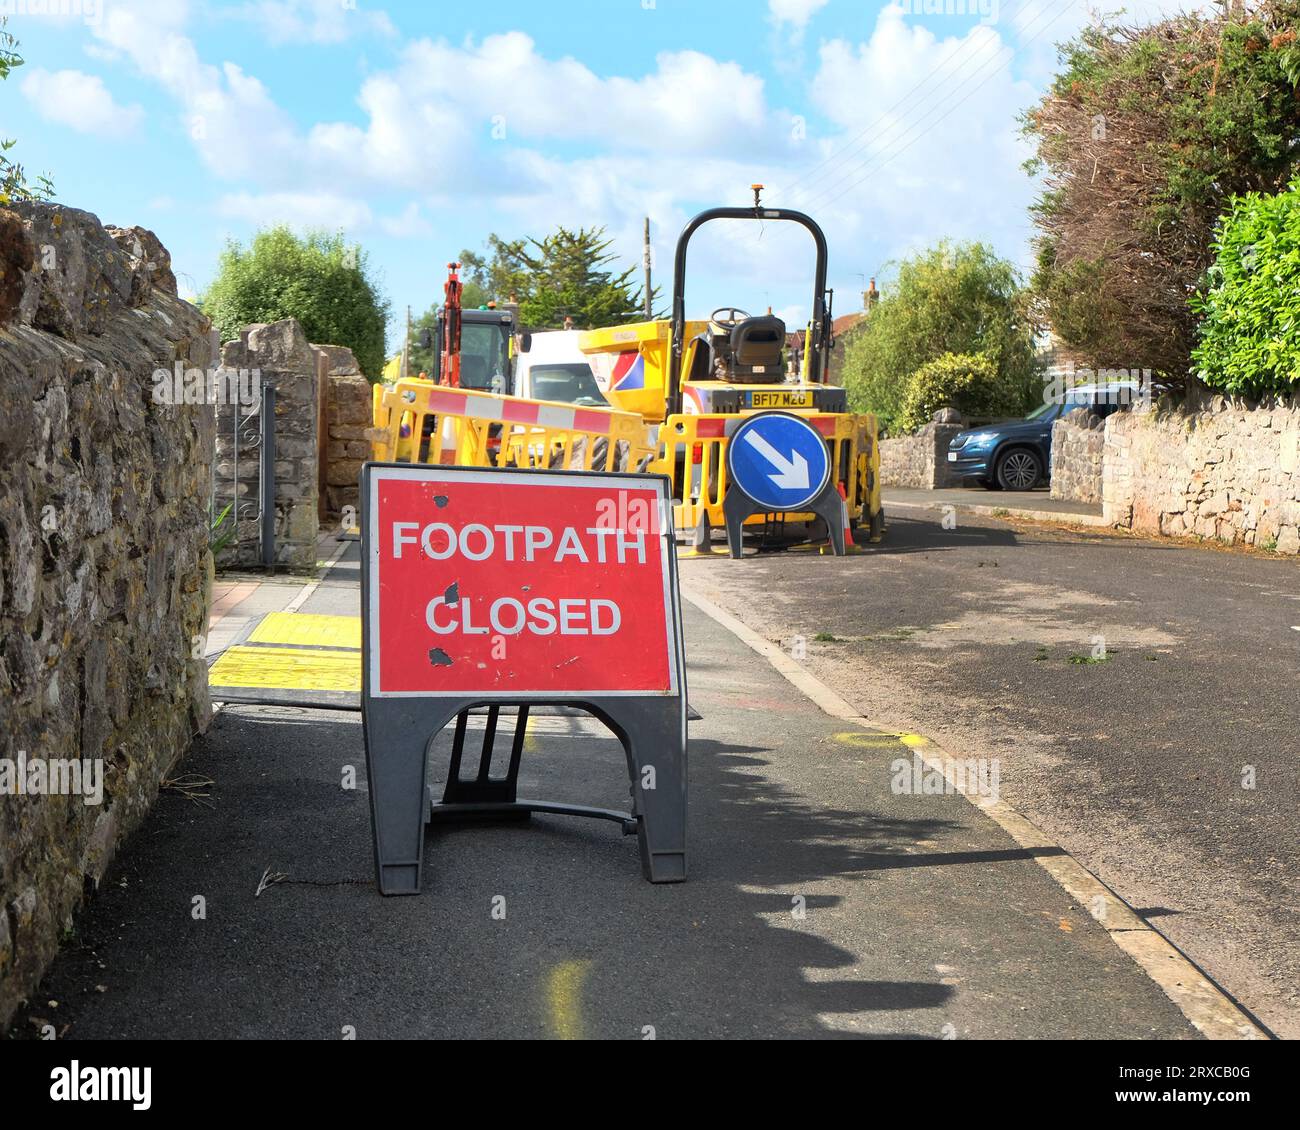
pixel 348 414
pixel 920 461
pixel 1077 445
pixel 105 574
pixel 1214 468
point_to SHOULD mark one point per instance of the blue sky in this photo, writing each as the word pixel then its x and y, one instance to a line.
pixel 418 128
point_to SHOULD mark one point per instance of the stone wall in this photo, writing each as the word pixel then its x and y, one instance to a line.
pixel 270 355
pixel 348 413
pixel 105 572
pixel 1077 444
pixel 1211 469
pixel 920 461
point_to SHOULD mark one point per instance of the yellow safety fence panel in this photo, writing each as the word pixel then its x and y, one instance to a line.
pixel 693 450
pixel 418 421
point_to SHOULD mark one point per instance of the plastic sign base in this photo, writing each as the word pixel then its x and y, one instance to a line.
pixel 398 734
pixel 738 506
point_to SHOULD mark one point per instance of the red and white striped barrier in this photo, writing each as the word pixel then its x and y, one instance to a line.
pixel 505 409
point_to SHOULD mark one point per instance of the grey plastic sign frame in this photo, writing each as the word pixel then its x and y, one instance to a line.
pixel 400 729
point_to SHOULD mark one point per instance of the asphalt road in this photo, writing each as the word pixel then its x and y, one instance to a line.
pixel 820 901
pixel 1170 768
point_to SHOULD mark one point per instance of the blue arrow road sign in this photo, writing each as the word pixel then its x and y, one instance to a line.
pixel 779 460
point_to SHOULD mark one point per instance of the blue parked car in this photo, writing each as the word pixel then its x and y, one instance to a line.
pixel 1017 455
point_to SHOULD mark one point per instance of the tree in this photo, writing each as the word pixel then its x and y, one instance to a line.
pixel 954 298
pixel 318 278
pixel 13 181
pixel 1145 136
pixel 1249 336
pixel 496 275
pixel 567 273
pixel 422 360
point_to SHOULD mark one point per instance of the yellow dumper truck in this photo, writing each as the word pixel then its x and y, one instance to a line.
pixel 695 382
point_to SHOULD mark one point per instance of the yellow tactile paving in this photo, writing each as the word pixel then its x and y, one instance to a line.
pixel 308 629
pixel 286 668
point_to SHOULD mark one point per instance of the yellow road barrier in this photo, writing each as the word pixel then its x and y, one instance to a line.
pixel 418 421
pixel 693 450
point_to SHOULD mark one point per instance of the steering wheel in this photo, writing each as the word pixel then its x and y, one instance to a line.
pixel 734 318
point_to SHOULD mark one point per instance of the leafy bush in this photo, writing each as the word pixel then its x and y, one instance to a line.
pixel 1144 137
pixel 965 381
pixel 14 184
pixel 1249 336
pixel 957 298
pixel 318 279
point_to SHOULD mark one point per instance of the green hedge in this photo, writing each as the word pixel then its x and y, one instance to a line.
pixel 1248 340
pixel 968 382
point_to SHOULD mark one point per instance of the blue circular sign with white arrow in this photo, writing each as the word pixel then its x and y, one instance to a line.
pixel 780 460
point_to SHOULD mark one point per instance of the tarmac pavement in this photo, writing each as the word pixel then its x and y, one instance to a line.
pixel 821 900
pixel 1140 696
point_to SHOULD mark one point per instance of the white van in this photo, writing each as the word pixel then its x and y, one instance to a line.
pixel 554 368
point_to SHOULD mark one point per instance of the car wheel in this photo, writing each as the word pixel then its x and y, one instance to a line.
pixel 1019 469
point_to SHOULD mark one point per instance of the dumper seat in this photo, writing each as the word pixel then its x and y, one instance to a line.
pixel 749 352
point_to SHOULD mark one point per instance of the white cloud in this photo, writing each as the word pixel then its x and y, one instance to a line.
pixel 797 13
pixel 450 118
pixel 924 144
pixel 300 210
pixel 929 144
pixel 408 224
pixel 504 89
pixel 312 21
pixel 233 122
pixel 78 100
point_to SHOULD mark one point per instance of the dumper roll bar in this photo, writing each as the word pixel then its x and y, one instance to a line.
pixel 821 328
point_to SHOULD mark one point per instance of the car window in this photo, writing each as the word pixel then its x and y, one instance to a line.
pixel 570 383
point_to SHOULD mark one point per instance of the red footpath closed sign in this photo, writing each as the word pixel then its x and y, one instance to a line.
pixel 512 585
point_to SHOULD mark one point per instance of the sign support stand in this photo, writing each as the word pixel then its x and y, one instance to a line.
pixel 737 506
pixel 652 736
